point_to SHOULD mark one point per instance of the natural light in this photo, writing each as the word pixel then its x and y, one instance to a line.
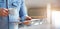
pixel 56 18
pixel 48 12
pixel 54 15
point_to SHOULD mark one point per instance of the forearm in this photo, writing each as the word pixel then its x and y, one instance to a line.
pixel 23 11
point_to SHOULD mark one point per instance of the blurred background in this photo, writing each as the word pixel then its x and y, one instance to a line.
pixel 37 8
pixel 47 12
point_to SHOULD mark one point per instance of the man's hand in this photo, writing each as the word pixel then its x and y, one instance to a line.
pixel 28 18
pixel 27 22
pixel 3 12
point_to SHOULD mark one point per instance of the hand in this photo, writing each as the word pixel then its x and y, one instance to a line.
pixel 28 18
pixel 26 22
pixel 3 12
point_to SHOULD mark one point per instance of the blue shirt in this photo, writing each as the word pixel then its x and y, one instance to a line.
pixel 21 10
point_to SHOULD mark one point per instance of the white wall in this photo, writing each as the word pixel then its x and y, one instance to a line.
pixel 55 3
pixel 41 3
pixel 56 19
pixel 36 3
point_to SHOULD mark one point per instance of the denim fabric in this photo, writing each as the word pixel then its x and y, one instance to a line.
pixel 3 23
pixel 13 25
pixel 20 11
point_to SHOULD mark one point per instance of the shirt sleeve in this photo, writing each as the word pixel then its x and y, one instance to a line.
pixel 23 11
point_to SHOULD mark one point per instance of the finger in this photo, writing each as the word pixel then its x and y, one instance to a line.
pixel 5 9
pixel 4 14
pixel 28 18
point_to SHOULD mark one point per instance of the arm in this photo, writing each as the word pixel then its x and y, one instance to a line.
pixel 23 11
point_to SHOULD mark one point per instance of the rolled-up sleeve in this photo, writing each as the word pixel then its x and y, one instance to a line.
pixel 23 11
